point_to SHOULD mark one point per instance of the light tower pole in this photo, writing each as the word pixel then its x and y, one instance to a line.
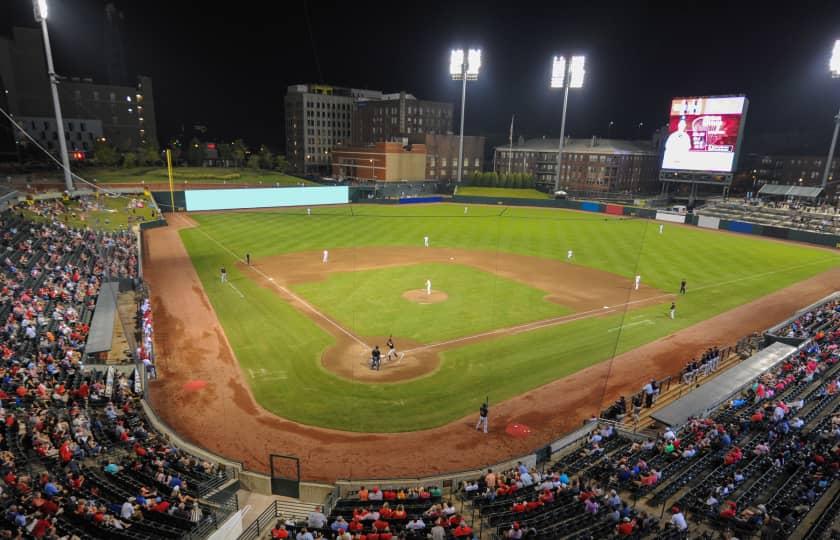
pixel 463 67
pixel 40 7
pixel 565 75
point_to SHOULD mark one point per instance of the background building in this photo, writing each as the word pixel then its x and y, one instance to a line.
pixel 442 155
pixel 382 162
pixel 399 115
pixel 126 113
pixel 320 118
pixel 588 165
pixel 788 169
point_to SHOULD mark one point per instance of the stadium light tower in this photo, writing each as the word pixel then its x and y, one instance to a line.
pixel 834 67
pixel 464 66
pixel 41 11
pixel 566 75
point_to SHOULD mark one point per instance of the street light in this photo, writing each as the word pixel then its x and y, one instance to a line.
pixel 41 11
pixel 834 67
pixel 464 67
pixel 566 75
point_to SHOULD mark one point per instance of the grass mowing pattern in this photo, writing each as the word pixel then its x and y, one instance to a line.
pixel 723 271
pixel 370 302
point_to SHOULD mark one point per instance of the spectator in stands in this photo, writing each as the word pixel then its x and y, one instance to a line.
pixel 678 519
pixel 316 519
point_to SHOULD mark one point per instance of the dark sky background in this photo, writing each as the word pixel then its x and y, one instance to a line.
pixel 227 65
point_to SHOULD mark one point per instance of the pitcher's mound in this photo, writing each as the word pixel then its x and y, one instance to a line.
pixel 420 296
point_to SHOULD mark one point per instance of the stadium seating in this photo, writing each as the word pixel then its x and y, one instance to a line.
pixel 803 218
pixel 785 427
pixel 77 456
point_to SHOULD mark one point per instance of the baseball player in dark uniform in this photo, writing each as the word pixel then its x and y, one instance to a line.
pixel 482 417
pixel 682 287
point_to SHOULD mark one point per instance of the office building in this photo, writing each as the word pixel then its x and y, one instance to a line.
pixel 442 155
pixel 589 165
pixel 395 116
pixel 126 113
pixel 381 162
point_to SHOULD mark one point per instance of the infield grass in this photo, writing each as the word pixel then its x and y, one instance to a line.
pixel 279 348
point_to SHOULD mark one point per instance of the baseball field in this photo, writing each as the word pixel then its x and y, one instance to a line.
pixel 509 311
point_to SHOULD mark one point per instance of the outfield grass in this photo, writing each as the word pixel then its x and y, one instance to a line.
pixel 722 270
pixel 195 175
pixel 113 216
pixel 511 193
pixel 371 304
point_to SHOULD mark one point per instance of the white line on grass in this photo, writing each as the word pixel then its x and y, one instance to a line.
pixel 617 328
pixel 287 291
pixel 237 290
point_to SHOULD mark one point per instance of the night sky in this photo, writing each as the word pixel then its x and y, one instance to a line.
pixel 228 68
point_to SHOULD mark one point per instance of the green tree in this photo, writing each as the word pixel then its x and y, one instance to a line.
pixel 129 160
pixel 195 152
pixel 148 154
pixel 105 154
pixel 495 180
pixel 280 163
pixel 266 157
pixel 238 151
pixel 253 162
pixel 226 153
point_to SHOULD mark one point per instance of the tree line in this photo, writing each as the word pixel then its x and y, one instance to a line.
pixel 195 153
pixel 494 179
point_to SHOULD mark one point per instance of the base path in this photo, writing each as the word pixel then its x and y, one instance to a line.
pixel 224 418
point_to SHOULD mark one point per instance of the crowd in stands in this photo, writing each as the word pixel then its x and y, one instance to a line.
pixel 802 326
pixel 77 457
pixel 756 466
pixel 383 514
pixel 146 349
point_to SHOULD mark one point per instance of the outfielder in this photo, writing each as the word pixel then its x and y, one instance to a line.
pixel 308 211
pixel 326 256
pixel 426 241
pixel 661 228
pixel 638 280
pixel 673 309
pixel 428 286
pixel 224 275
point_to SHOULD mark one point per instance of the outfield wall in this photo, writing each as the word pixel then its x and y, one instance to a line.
pixel 706 222
pixel 231 199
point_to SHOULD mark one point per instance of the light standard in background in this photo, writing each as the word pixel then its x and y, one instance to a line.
pixel 40 7
pixel 464 67
pixel 834 67
pixel 565 75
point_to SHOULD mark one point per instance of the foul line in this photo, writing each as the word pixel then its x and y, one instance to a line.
pixel 287 291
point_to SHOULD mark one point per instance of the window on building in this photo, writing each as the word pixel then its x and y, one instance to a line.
pixel 82 126
pixel 477 163
pixel 70 126
pixel 443 162
pixel 96 95
pixel 113 97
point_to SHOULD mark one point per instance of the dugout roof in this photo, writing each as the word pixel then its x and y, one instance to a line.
pixel 102 326
pixel 721 388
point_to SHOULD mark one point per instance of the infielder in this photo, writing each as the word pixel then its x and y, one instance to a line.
pixel 673 309
pixel 638 280
pixel 326 257
pixel 682 287
pixel 426 241
pixel 428 286
pixel 569 255
pixel 482 417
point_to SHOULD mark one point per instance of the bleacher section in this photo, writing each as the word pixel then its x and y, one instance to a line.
pixel 77 456
pixel 764 464
pixel 807 219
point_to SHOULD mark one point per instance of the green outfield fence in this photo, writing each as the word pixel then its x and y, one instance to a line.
pixel 743 227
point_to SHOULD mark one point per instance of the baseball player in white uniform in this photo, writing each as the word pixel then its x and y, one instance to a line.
pixel 661 228
pixel 426 241
pixel 638 280
pixel 569 255
pixel 308 211
pixel 326 257
pixel 428 286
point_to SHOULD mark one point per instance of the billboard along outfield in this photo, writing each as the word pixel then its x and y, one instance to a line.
pixel 230 199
